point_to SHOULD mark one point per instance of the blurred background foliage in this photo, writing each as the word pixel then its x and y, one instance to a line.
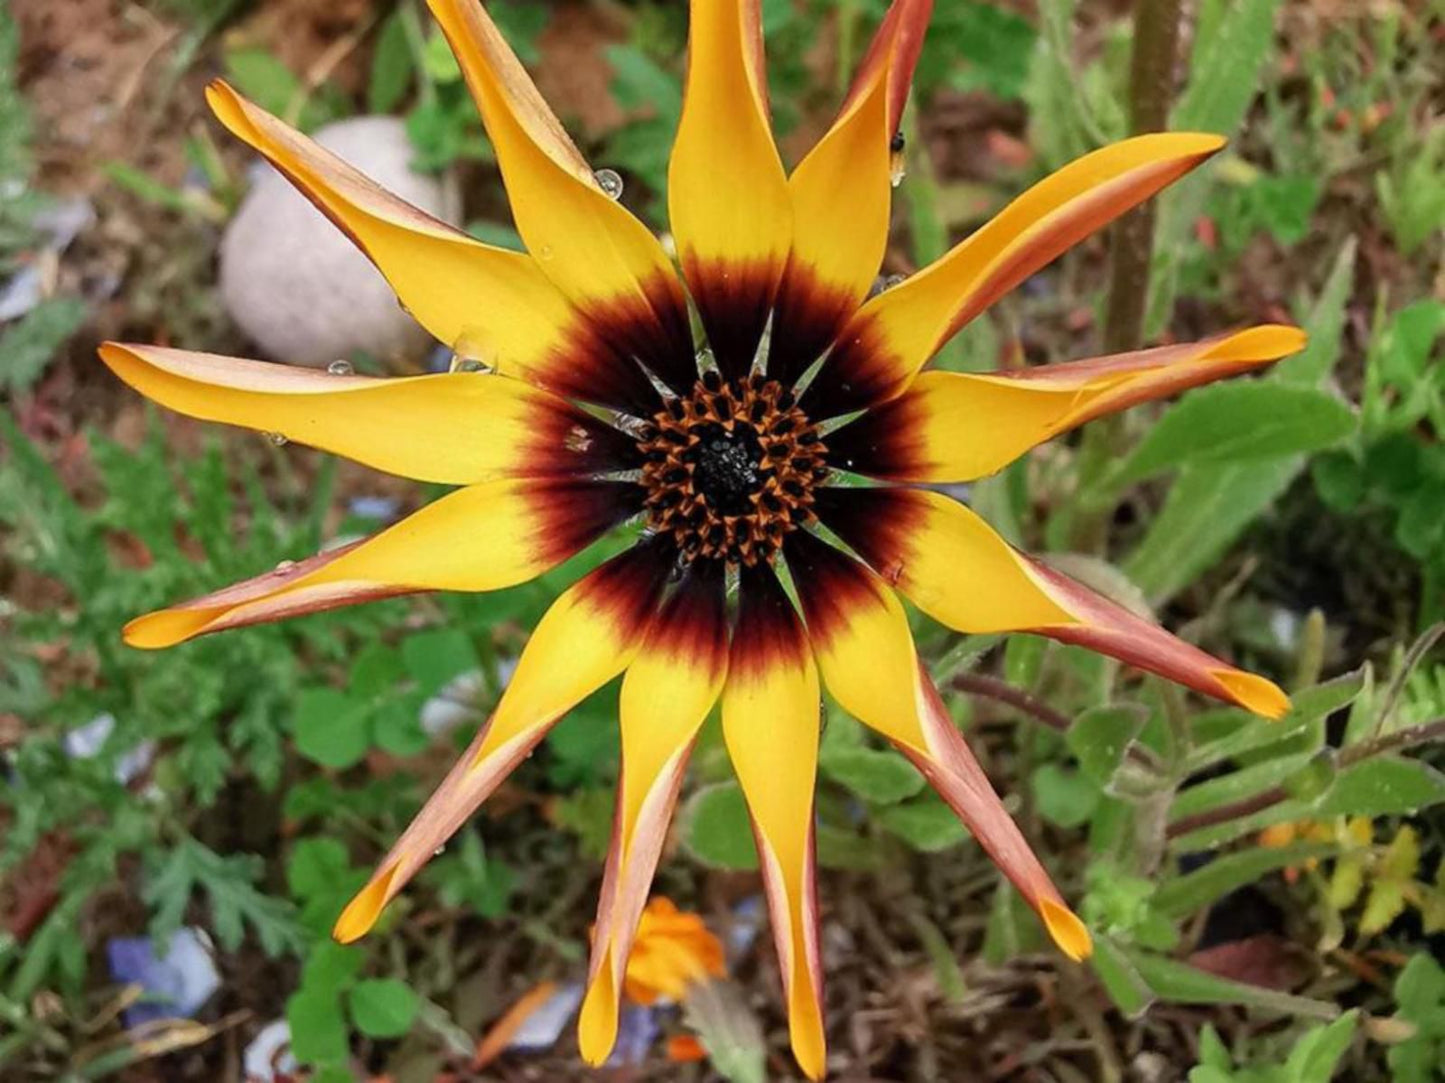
pixel 1268 900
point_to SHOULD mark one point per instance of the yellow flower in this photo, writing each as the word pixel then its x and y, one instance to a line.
pixel 673 950
pixel 732 455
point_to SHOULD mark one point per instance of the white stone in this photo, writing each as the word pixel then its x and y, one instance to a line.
pixel 295 284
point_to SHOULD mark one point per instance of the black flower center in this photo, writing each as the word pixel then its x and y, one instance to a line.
pixel 730 469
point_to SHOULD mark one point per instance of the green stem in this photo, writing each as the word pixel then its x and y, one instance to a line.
pixel 1151 93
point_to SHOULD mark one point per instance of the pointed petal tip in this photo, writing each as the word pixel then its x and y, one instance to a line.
pixel 810 1049
pixel 1066 930
pixel 161 629
pixel 597 1024
pixel 362 912
pixel 1254 693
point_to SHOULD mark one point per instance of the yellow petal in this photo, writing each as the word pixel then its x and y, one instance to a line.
pixel 865 652
pixel 958 571
pixel 493 535
pixel 590 246
pixel 770 725
pixel 842 194
pixel 892 335
pixel 951 426
pixel 586 638
pixel 669 689
pixel 727 194
pixel 456 428
pixel 497 303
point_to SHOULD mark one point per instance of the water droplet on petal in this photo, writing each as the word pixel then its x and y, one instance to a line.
pixel 341 368
pixel 472 364
pixel 545 252
pixel 438 851
pixel 610 181
pixel 279 439
pixel 890 281
pixel 285 566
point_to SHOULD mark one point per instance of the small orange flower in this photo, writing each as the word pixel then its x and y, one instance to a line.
pixel 673 950
pixel 583 398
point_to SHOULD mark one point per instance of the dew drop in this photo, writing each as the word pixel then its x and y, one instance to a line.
pixel 285 566
pixel 545 252
pixel 341 368
pixel 278 439
pixel 472 364
pixel 610 181
pixel 896 175
pixel 889 281
pixel 439 851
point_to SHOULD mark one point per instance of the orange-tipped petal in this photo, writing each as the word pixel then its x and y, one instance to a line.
pixel 952 426
pixel 770 725
pixel 888 341
pixel 455 428
pixel 588 636
pixel 958 571
pixel 727 192
pixel 895 48
pixel 669 689
pixel 591 247
pixel 485 537
pixel 842 194
pixel 496 302
pixel 865 651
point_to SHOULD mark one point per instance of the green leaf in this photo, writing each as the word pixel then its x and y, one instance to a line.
pixel 330 728
pixel 383 1007
pixel 716 829
pixel 1179 982
pixel 1181 896
pixel 391 65
pixel 29 344
pixel 331 967
pixel 1384 786
pixel 314 866
pixel 926 824
pixel 1126 988
pixel 1239 422
pixel 318 1029
pixel 879 777
pixel 1066 798
pixel 434 658
pixel 1099 736
pixel 1316 1056
pixel 1339 479
pixel 263 78
pixel 1210 504
pixel 718 1011
pixel 235 903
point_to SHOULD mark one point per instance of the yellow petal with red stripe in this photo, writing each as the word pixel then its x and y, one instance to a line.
pixel 461 290
pixel 958 571
pixel 485 537
pixel 669 689
pixel 953 426
pixel 588 637
pixel 590 246
pixel 865 651
pixel 454 428
pixel 770 726
pixel 727 192
pixel 892 335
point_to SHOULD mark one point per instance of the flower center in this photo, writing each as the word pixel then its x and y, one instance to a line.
pixel 730 469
